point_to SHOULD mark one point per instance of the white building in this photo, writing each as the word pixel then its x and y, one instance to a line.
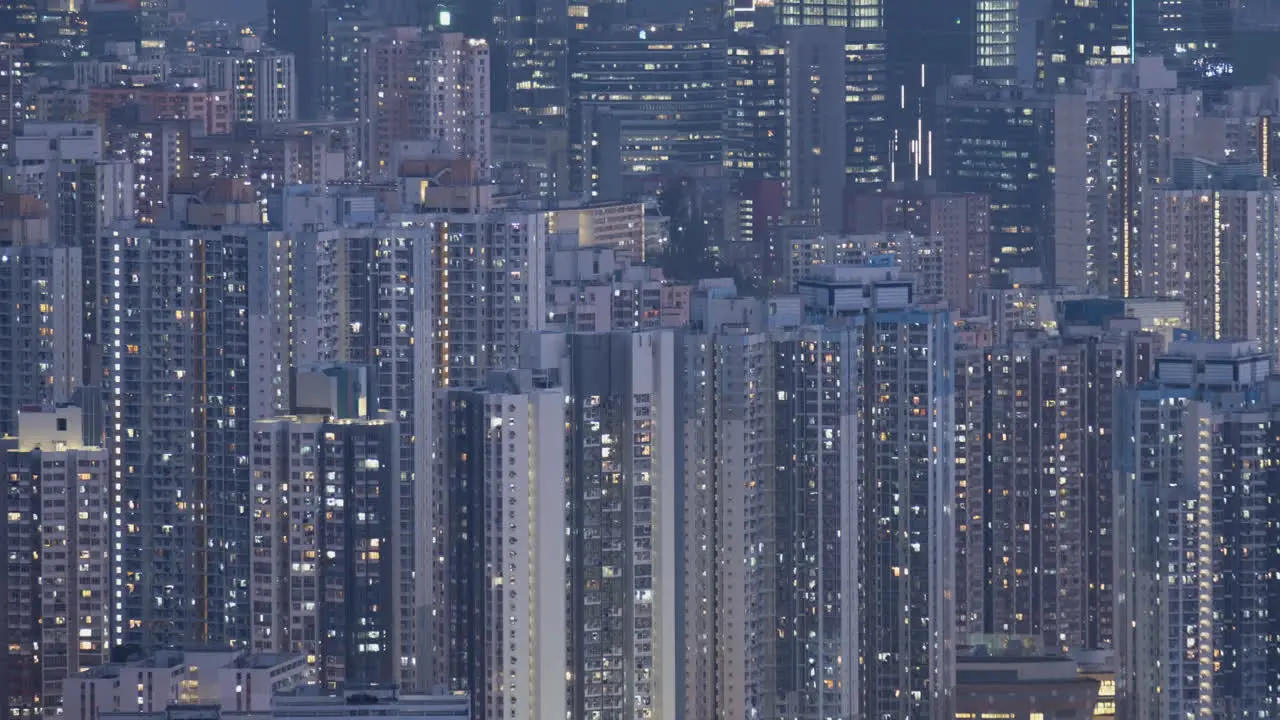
pixel 308 704
pixel 425 87
pixel 1138 122
pixel 41 287
pixel 730 553
pixel 67 583
pixel 623 431
pixel 325 495
pixel 263 81
pixel 1215 244
pixel 505 465
pixel 234 682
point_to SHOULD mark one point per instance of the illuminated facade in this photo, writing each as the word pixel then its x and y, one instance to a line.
pixel 505 485
pixel 1138 121
pixel 360 294
pixel 324 500
pixel 997 29
pixel 623 565
pixel 1024 150
pixel 645 104
pixel 262 81
pixel 41 318
pixel 58 568
pixel 1195 34
pixel 177 395
pixel 421 86
pixel 1214 242
pixel 1195 539
pixel 872 605
pixel 851 14
pixel 1082 34
pixel 1036 426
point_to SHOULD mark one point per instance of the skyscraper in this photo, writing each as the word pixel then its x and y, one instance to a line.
pixel 644 105
pixel 58 564
pixel 263 81
pixel 362 292
pixel 1079 36
pixel 297 27
pixel 622 434
pixel 41 316
pixel 1024 150
pixel 1215 243
pixel 506 487
pixel 63 165
pixel 324 499
pixel 732 573
pixel 177 395
pixel 1036 543
pixel 533 38
pixel 1138 122
pixel 1194 34
pixel 1196 538
pixel 889 435
pixel 421 86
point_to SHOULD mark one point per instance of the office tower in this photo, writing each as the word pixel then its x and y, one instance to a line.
pixel 1138 122
pixel 960 221
pixel 996 42
pixel 1080 36
pixel 928 41
pixel 1213 243
pixel 530 159
pixel 177 389
pixel 505 484
pixel 430 87
pixel 852 14
pixel 325 499
pixel 623 430
pixel 1036 538
pixel 868 143
pixel 297 27
pixel 876 422
pixel 644 106
pixel 1195 35
pixel 756 90
pixel 816 109
pixel 58 567
pixel 533 38
pixel 1196 537
pixel 787 117
pixel 776 71
pixel 110 22
pixel 262 81
pixel 344 49
pixel 1027 152
pixel 41 316
pixel 1009 39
